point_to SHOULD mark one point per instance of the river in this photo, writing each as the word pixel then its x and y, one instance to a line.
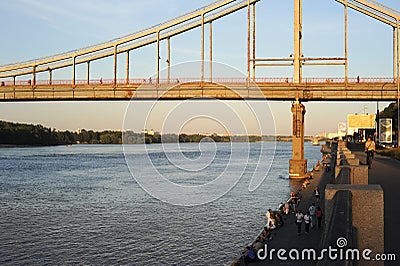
pixel 80 205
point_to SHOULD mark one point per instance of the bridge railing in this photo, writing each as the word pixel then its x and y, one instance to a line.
pixel 222 81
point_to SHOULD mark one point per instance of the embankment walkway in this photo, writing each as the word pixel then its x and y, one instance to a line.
pixel 286 237
pixel 386 172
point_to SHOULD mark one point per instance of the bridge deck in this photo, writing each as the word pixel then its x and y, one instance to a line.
pixel 229 90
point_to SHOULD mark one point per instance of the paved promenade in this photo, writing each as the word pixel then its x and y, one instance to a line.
pixel 386 172
pixel 286 236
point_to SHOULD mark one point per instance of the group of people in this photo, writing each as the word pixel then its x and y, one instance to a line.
pixel 249 254
pixel 312 218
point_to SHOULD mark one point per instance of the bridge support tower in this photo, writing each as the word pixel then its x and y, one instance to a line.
pixel 298 165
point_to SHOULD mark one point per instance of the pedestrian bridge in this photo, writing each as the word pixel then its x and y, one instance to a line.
pixel 19 81
pixel 224 89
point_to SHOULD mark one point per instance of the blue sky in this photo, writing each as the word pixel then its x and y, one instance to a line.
pixel 36 28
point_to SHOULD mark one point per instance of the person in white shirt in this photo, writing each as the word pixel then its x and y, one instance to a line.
pixel 370 150
pixel 313 214
pixel 299 221
pixel 307 221
pixel 317 194
pixel 287 208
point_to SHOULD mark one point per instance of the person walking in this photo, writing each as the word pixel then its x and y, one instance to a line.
pixel 307 222
pixel 317 194
pixel 313 214
pixel 299 221
pixel 295 201
pixel 287 208
pixel 319 216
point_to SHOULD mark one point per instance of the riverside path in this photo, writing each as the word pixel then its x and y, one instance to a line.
pixel 386 172
pixel 286 236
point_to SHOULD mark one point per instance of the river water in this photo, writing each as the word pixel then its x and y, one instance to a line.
pixel 80 205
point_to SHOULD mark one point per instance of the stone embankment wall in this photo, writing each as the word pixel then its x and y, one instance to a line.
pixel 353 208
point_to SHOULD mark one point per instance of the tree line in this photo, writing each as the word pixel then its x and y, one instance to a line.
pixel 38 135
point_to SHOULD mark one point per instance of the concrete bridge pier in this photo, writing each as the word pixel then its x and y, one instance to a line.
pixel 298 165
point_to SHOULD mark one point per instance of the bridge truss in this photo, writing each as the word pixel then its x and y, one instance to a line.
pixel 294 88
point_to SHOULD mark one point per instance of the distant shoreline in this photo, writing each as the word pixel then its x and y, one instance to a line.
pixel 5 146
pixel 24 135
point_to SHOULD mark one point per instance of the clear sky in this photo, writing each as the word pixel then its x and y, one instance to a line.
pixel 36 28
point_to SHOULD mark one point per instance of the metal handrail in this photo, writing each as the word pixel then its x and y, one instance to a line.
pixel 174 80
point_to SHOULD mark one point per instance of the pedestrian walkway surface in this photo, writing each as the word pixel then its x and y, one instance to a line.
pixel 286 237
pixel 386 172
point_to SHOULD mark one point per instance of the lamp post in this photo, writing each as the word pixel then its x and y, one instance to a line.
pixel 377 122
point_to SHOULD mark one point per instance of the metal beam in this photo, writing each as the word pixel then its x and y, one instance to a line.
pixel 115 64
pixel 272 64
pixel 133 41
pixel 202 47
pixel 282 90
pixel 297 41
pixel 373 10
pixel 254 40
pixel 127 67
pixel 216 9
pixel 34 76
pixel 324 64
pixel 88 73
pixel 158 59
pixel 211 52
pixel 169 58
pixel 73 70
pixel 395 54
pixel 346 41
pixel 248 40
